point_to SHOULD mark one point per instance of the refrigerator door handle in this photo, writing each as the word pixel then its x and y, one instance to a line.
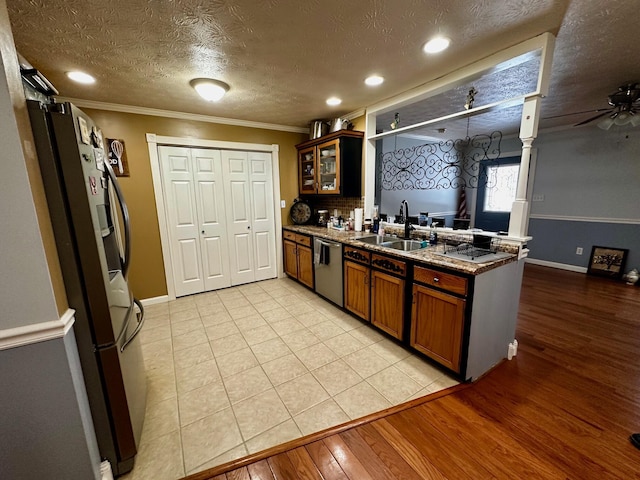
pixel 125 218
pixel 125 325
pixel 138 327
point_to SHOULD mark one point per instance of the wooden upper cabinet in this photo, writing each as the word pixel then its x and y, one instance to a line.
pixel 387 303
pixel 331 165
pixel 437 323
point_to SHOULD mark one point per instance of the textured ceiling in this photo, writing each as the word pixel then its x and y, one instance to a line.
pixel 283 58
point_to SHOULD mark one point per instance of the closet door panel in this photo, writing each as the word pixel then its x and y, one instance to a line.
pixel 182 219
pixel 263 221
pixel 235 167
pixel 212 216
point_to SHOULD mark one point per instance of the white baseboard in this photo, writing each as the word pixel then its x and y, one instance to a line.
pixel 154 300
pixel 561 266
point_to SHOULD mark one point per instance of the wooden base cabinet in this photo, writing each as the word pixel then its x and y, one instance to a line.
pixel 387 303
pixel 437 321
pixel 356 281
pixel 374 289
pixel 437 317
pixel 298 257
pixel 305 266
pixel 356 289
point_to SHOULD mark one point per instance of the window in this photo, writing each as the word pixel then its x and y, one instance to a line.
pixel 502 182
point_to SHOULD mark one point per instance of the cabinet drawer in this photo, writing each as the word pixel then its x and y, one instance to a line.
pixel 289 235
pixel 446 281
pixel 303 240
pixel 361 256
pixel 391 265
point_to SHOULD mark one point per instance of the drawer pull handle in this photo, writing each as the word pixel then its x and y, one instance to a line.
pixel 436 279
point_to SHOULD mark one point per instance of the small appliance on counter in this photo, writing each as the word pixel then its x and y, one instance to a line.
pixel 323 218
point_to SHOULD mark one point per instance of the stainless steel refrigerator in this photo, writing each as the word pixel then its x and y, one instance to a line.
pixel 91 228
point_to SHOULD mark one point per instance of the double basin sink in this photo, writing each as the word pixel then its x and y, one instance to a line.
pixel 393 242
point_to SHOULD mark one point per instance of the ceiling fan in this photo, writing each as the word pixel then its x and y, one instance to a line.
pixel 625 109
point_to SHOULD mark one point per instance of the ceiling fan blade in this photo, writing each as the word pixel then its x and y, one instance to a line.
pixel 584 122
pixel 577 113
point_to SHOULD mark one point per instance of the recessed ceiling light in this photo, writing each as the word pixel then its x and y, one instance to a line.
pixel 333 101
pixel 437 44
pixel 374 80
pixel 209 89
pixel 81 77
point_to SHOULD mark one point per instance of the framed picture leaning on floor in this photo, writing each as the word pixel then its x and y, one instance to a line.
pixel 607 261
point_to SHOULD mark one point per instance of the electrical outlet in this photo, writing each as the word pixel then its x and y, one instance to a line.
pixel 579 251
pixel 283 203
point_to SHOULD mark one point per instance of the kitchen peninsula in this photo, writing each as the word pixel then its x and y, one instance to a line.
pixel 458 313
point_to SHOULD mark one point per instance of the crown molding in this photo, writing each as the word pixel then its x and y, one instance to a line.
pixel 355 114
pixel 115 107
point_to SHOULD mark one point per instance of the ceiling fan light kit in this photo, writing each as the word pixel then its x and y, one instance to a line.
pixel 626 108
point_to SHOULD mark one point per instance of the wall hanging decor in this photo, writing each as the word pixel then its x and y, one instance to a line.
pixel 460 163
pixel 117 157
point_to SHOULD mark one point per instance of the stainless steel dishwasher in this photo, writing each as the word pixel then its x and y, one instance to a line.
pixel 327 258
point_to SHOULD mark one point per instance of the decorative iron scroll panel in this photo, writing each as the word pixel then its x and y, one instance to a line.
pixel 460 163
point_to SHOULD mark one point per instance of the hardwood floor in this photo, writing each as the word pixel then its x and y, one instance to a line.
pixel 563 408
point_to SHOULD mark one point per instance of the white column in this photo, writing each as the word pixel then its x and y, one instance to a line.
pixel 369 162
pixel 528 132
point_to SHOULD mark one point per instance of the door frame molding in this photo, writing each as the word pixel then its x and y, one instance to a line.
pixel 154 141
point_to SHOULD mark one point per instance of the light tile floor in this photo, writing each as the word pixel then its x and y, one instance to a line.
pixel 239 370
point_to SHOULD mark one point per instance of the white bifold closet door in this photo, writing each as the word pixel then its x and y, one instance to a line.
pixel 221 228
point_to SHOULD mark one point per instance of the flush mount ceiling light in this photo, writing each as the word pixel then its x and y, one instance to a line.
pixel 436 45
pixel 81 77
pixel 374 80
pixel 333 101
pixel 209 89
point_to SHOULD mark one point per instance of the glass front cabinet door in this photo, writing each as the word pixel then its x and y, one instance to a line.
pixel 329 167
pixel 307 170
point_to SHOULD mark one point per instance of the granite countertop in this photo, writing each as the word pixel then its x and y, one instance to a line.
pixel 427 256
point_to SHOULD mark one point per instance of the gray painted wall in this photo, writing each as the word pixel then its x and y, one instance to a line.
pixel 556 241
pixel 589 172
pixel 26 294
pixel 586 174
pixel 44 415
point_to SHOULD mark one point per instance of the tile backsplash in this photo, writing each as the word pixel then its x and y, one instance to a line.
pixel 344 205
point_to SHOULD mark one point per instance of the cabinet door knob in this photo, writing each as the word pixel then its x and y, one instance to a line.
pixel 249 227
pixel 203 232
